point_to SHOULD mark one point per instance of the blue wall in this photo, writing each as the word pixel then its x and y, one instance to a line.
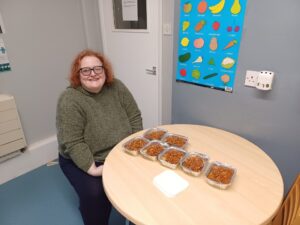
pixel 271 120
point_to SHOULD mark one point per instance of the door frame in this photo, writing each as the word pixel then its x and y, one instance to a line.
pixel 159 66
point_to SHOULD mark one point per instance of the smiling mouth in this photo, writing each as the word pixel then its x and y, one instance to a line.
pixel 93 78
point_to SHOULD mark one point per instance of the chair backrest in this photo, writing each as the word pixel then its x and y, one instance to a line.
pixel 289 212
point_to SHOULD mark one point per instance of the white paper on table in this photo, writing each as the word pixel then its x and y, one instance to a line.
pixel 169 183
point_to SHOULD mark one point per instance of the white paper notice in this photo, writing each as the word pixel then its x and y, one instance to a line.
pixel 169 183
pixel 2 29
pixel 130 10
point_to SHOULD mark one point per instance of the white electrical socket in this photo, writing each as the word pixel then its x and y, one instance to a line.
pixel 265 80
pixel 251 78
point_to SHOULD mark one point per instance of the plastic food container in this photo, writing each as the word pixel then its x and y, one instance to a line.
pixel 155 134
pixel 193 163
pixel 175 140
pixel 220 175
pixel 153 149
pixel 134 145
pixel 171 157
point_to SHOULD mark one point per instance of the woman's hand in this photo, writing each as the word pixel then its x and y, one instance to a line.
pixel 95 171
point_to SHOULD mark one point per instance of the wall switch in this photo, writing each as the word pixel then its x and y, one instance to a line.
pixel 251 78
pixel 265 80
pixel 167 30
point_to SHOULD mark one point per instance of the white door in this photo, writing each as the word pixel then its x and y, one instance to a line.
pixel 135 55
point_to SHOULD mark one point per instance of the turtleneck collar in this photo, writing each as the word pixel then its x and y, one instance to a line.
pixel 82 90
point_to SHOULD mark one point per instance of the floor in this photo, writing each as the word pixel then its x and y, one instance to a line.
pixel 42 197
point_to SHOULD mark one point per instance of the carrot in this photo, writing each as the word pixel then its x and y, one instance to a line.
pixel 230 44
pixel 200 25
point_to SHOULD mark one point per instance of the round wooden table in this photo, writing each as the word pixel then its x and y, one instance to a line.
pixel 252 199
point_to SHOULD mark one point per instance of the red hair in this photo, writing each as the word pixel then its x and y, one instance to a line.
pixel 75 67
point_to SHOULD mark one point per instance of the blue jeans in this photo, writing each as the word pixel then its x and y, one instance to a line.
pixel 94 206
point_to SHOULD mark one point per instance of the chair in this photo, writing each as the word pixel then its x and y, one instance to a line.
pixel 289 212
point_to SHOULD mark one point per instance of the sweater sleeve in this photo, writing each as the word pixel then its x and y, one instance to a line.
pixel 131 108
pixel 70 122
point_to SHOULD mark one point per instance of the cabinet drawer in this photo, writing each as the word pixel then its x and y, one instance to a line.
pixel 9 126
pixel 7 104
pixel 8 115
pixel 11 133
pixel 12 146
pixel 11 136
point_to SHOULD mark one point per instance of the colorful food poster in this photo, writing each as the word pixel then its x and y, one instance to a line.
pixel 4 63
pixel 209 39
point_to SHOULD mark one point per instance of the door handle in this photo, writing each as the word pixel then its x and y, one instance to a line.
pixel 152 71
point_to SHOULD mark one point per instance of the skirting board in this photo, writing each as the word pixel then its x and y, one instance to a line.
pixel 33 157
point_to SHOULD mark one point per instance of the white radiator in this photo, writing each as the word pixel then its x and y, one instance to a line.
pixel 12 138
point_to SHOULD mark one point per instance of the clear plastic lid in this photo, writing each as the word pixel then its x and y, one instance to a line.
pixel 154 134
pixel 220 175
pixel 171 157
pixel 153 149
pixel 134 145
pixel 194 163
pixel 175 140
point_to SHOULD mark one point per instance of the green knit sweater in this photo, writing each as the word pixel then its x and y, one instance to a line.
pixel 90 125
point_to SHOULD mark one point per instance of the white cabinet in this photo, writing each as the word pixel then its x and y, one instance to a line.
pixel 11 133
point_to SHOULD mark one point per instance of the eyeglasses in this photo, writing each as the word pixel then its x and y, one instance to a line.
pixel 86 71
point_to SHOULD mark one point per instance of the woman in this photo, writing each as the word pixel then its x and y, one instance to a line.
pixel 95 113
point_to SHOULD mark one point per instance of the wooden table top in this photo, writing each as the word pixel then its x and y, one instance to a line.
pixel 253 198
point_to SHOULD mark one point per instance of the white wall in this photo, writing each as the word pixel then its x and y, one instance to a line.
pixel 167 61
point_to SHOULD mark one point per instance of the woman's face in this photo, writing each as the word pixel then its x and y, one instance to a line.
pixel 92 74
